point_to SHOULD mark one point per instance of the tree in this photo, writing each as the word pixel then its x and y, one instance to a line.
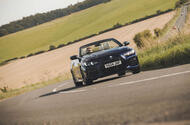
pixel 3 32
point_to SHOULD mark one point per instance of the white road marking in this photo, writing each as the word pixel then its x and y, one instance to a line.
pixel 55 89
pixel 74 91
pixel 149 79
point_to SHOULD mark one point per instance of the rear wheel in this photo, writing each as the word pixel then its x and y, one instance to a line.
pixel 136 70
pixel 77 84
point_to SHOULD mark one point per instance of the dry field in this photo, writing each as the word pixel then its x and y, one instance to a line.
pixel 55 63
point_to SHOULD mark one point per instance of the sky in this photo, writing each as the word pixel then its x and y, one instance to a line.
pixel 11 10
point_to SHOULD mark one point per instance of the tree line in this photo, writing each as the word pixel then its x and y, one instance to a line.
pixel 33 20
pixel 180 2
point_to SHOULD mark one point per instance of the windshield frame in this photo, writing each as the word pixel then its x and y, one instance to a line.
pixel 96 42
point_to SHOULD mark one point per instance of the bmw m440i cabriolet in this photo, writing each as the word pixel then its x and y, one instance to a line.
pixel 103 58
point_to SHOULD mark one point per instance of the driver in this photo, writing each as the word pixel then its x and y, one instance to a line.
pixel 88 50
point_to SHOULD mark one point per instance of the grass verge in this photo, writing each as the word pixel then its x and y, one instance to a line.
pixel 173 52
pixel 14 92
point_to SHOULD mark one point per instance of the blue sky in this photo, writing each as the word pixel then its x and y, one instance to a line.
pixel 11 10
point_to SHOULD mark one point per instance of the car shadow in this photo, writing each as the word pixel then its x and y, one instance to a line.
pixel 84 86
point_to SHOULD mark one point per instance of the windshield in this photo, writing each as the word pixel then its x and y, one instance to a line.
pixel 99 46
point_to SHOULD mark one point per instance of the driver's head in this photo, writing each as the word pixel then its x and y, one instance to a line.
pixel 88 50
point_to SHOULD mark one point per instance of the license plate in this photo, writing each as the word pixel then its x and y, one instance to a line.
pixel 112 64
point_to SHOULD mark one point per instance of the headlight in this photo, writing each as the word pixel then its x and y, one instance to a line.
pixel 131 52
pixel 90 63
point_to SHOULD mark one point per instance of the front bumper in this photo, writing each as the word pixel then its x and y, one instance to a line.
pixel 99 70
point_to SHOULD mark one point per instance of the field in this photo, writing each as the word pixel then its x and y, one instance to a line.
pixel 78 25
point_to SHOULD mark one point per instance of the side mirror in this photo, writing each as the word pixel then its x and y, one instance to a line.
pixel 74 57
pixel 126 43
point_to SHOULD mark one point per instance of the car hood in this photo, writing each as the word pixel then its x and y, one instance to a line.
pixel 104 53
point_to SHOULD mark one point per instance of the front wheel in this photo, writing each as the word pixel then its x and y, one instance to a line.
pixel 77 84
pixel 86 80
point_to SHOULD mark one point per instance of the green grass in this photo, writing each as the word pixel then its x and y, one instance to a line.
pixel 78 25
pixel 175 51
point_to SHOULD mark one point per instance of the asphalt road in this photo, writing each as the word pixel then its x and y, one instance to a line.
pixel 157 96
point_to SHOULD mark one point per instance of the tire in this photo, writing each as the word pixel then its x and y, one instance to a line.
pixel 121 73
pixel 136 70
pixel 85 79
pixel 77 84
pixel 88 82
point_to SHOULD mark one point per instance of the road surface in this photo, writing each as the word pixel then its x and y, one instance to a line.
pixel 149 98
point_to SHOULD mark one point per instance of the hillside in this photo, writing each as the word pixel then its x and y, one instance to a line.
pixel 78 25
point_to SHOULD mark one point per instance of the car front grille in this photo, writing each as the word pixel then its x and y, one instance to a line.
pixel 110 58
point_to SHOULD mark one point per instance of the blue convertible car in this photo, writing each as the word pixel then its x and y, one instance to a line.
pixel 102 58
